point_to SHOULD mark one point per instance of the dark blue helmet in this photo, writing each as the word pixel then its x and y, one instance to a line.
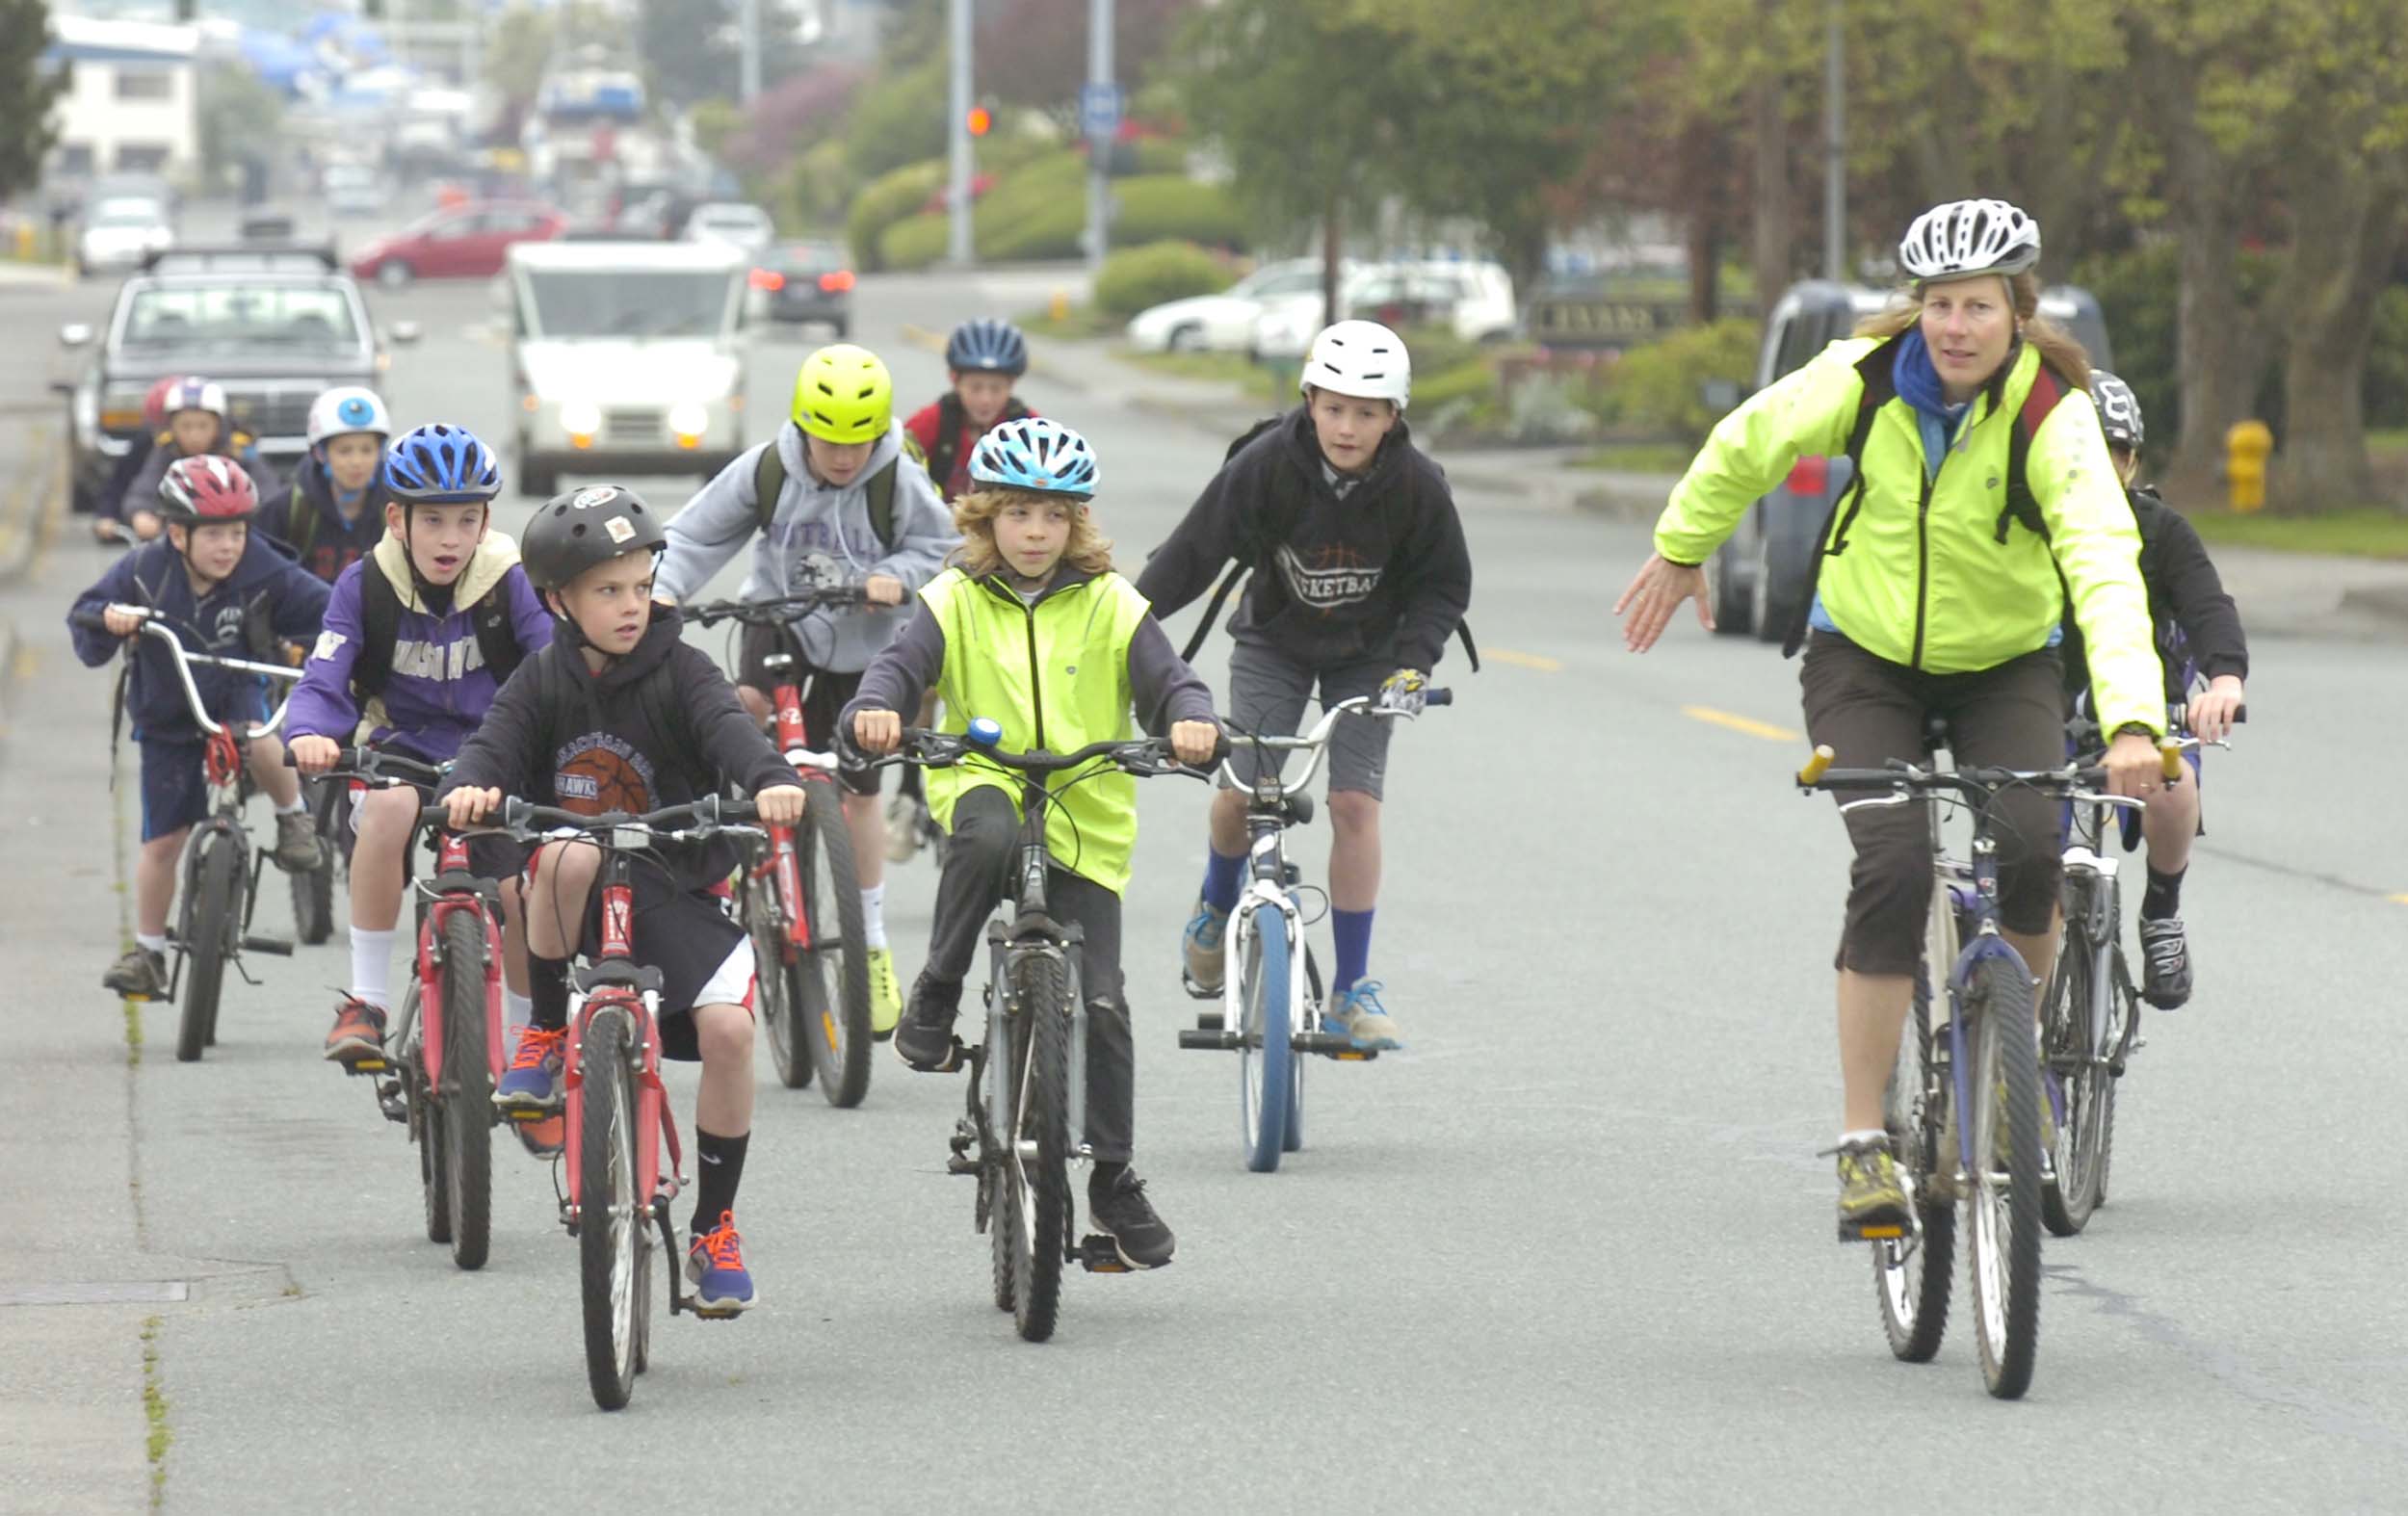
pixel 440 465
pixel 1042 457
pixel 987 347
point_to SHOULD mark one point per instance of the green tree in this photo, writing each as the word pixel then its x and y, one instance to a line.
pixel 27 92
pixel 238 118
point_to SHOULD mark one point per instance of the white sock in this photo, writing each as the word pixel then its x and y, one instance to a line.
pixel 516 1010
pixel 874 916
pixel 298 806
pixel 157 943
pixel 372 966
pixel 1866 1138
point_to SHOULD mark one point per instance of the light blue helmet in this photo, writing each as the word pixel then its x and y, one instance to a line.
pixel 1042 457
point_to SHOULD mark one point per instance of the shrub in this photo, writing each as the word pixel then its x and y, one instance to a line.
pixel 897 119
pixel 883 202
pixel 915 242
pixel 1659 387
pixel 1170 207
pixel 1136 278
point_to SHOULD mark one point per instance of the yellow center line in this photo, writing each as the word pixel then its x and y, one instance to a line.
pixel 1740 723
pixel 1538 660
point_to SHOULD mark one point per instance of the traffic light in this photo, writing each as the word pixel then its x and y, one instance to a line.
pixel 981 120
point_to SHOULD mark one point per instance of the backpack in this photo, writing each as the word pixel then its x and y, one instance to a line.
pixel 769 480
pixel 948 420
pixel 2048 388
pixel 380 619
pixel 1245 563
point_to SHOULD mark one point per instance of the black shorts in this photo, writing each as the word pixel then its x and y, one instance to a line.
pixel 690 936
pixel 825 696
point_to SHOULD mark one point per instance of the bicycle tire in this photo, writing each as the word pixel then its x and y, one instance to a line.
pixel 426 1123
pixel 209 908
pixel 2071 1030
pixel 466 1103
pixel 2006 1202
pixel 838 1028
pixel 1912 1275
pixel 313 898
pixel 775 980
pixel 1265 1055
pixel 1040 1190
pixel 610 1231
pixel 1003 1236
pixel 640 1352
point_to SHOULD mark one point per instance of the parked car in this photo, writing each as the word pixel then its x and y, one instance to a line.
pixel 275 326
pixel 806 281
pixel 1758 578
pixel 1224 322
pixel 468 241
pixel 118 234
pixel 627 357
pixel 747 227
pixel 1475 300
pixel 352 189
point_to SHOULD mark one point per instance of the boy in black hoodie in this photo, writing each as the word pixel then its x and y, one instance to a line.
pixel 621 714
pixel 1361 575
pixel 2200 640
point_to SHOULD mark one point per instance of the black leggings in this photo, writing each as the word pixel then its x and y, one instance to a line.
pixel 978 861
pixel 1870 710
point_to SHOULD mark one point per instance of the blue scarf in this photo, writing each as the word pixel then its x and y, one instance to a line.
pixel 1918 383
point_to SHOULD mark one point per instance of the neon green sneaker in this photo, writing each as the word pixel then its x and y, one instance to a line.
pixel 885 995
pixel 1869 1191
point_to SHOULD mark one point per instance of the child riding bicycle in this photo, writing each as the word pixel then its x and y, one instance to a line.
pixel 224 591
pixel 420 637
pixel 199 424
pixel 619 714
pixel 1034 573
pixel 838 482
pixel 330 512
pixel 1361 575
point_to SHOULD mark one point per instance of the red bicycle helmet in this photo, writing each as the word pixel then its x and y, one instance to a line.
pixel 206 489
pixel 155 402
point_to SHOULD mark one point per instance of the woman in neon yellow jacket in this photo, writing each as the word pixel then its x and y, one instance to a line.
pixel 1984 499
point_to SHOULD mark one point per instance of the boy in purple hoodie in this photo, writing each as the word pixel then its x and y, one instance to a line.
pixel 420 635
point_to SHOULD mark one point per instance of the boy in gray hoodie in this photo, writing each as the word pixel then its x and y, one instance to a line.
pixel 840 486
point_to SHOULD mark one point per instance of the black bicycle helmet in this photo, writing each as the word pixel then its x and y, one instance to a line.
pixel 987 346
pixel 2119 410
pixel 575 530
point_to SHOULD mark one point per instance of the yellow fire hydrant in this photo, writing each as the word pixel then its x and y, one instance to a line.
pixel 2245 450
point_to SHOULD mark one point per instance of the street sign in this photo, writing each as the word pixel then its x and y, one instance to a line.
pixel 1099 111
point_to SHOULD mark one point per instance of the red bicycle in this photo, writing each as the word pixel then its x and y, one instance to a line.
pixel 800 896
pixel 447 1037
pixel 618 1112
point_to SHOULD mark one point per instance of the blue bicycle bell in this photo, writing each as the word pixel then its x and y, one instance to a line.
pixel 985 731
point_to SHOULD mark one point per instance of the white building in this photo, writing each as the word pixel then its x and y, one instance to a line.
pixel 131 108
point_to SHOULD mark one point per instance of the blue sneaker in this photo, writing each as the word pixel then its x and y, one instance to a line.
pixel 1358 1014
pixel 714 1265
pixel 1200 949
pixel 532 1081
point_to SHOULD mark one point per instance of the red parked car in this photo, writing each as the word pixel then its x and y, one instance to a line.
pixel 465 242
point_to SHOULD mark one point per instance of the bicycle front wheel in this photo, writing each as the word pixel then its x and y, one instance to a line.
pixel 466 1098
pixel 2006 1199
pixel 610 1214
pixel 1911 1272
pixel 835 976
pixel 1037 1159
pixel 1265 1051
pixel 210 912
pixel 776 979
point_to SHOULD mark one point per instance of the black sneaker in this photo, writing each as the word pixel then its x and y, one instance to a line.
pixel 925 1037
pixel 139 975
pixel 1120 1211
pixel 2165 972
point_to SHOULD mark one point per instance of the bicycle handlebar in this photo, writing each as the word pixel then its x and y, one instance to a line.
pixel 371 763
pixel 1140 757
pixel 2073 781
pixel 778 610
pixel 524 821
pixel 1316 741
pixel 185 659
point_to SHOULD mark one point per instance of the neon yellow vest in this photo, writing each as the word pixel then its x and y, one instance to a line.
pixel 1055 677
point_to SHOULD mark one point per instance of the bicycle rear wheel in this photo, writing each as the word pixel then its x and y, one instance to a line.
pixel 610 1214
pixel 466 1099
pixel 1911 1273
pixel 313 892
pixel 1264 1054
pixel 1036 1155
pixel 210 912
pixel 2006 1201
pixel 2077 1048
pixel 835 974
pixel 777 980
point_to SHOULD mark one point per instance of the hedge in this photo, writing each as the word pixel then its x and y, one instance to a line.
pixel 1038 211
pixel 884 201
pixel 1138 278
pixel 1660 388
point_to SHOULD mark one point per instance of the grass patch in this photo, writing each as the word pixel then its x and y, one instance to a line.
pixel 2388 442
pixel 1228 368
pixel 1083 324
pixel 1639 458
pixel 2370 531
pixel 155 1412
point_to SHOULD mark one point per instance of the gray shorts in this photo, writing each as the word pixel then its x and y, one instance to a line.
pixel 1267 694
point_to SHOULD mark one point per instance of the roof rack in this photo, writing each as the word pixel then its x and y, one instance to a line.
pixel 242 258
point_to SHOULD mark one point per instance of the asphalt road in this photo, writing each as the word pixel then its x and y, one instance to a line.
pixel 1571 1250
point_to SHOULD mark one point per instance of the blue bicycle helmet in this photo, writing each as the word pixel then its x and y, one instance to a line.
pixel 1042 457
pixel 440 465
pixel 987 347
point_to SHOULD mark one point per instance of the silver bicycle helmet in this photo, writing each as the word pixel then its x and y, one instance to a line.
pixel 1967 238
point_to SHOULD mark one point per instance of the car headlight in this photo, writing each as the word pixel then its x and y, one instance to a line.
pixel 689 419
pixel 580 419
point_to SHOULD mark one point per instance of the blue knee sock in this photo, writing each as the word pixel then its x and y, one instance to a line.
pixel 1353 930
pixel 1221 879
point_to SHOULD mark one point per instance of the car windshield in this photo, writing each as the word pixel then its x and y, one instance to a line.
pixel 630 303
pixel 126 213
pixel 295 315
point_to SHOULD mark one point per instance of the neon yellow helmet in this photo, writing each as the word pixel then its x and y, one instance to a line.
pixel 844 394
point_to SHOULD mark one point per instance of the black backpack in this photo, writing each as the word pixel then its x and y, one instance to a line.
pixel 769 478
pixel 948 420
pixel 380 621
pixel 1247 552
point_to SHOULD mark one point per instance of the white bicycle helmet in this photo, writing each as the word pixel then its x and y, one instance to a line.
pixel 1967 238
pixel 1362 359
pixel 347 409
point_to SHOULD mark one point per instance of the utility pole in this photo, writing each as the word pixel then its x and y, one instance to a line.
pixel 960 251
pixel 1099 144
pixel 748 40
pixel 1835 151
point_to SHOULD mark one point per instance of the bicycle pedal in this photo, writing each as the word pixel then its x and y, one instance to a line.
pixel 1099 1254
pixel 1872 1232
pixel 370 1063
